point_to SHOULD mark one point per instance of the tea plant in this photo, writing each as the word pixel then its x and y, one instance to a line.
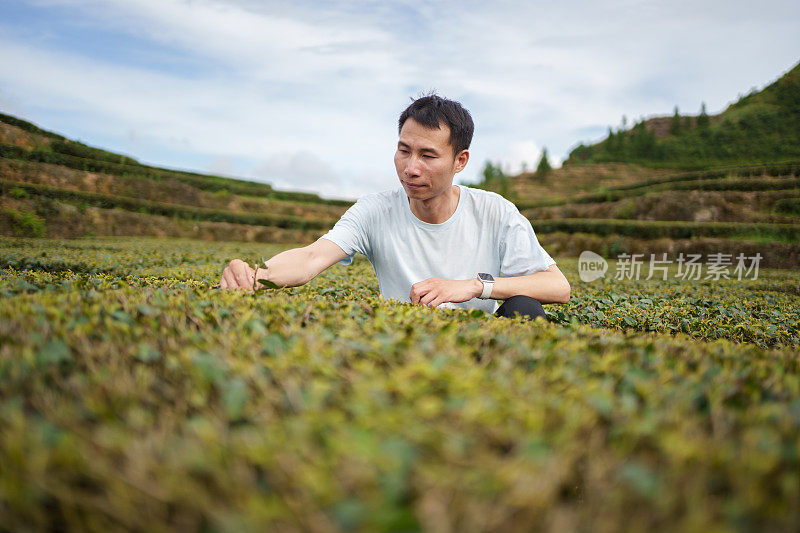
pixel 135 397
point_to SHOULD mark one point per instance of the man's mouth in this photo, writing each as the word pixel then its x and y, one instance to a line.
pixel 413 186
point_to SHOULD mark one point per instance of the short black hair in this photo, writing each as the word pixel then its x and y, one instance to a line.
pixel 432 109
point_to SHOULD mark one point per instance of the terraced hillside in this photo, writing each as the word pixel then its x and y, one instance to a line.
pixel 729 210
pixel 53 186
pixel 738 192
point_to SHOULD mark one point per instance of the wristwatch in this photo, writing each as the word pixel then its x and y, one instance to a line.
pixel 488 284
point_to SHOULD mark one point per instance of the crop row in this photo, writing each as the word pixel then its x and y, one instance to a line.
pixel 775 170
pixel 200 181
pixel 774 254
pixel 681 180
pixel 137 398
pixel 765 310
pixel 790 206
pixel 654 229
pixel 107 201
pixel 29 127
pixel 157 191
pixel 619 193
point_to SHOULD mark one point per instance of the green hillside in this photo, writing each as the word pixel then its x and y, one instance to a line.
pixel 763 126
pixel 723 184
pixel 623 208
pixel 56 187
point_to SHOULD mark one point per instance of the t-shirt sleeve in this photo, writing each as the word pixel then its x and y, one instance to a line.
pixel 351 232
pixel 520 251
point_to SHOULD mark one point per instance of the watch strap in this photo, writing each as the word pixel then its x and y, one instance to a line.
pixel 487 289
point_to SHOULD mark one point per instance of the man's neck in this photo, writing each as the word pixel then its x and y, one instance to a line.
pixel 438 209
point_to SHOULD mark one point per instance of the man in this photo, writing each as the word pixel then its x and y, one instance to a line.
pixel 431 242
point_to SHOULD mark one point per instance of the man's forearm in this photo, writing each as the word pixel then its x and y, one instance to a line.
pixel 289 268
pixel 546 286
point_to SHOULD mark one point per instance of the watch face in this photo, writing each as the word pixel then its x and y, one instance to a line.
pixel 485 277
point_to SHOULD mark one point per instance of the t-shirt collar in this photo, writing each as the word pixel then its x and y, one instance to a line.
pixel 435 227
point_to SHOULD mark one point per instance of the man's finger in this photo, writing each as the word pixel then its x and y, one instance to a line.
pixel 428 298
pixel 244 276
pixel 230 279
pixel 414 294
pixel 418 290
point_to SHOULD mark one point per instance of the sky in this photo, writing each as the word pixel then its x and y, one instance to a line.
pixel 305 95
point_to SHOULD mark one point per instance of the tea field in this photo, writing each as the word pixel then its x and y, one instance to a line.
pixel 134 396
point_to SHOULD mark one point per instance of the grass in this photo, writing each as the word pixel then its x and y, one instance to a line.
pixel 133 397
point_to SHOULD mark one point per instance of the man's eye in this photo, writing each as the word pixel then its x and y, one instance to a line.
pixel 402 151
pixel 427 156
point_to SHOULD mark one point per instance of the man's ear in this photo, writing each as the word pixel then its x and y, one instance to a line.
pixel 461 160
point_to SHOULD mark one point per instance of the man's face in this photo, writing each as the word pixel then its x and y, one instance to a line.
pixel 424 160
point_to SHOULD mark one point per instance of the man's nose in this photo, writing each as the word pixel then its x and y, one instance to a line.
pixel 412 166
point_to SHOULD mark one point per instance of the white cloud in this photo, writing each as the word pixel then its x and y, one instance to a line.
pixel 265 43
pixel 524 156
pixel 305 171
pixel 298 84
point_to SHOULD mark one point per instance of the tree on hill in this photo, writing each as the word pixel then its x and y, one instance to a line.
pixel 702 118
pixel 492 172
pixel 543 168
pixel 580 153
pixel 643 143
pixel 675 123
pixel 494 178
pixel 613 144
pixel 763 126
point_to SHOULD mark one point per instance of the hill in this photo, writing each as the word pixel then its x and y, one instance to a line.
pixel 56 187
pixel 763 126
pixel 722 184
pixel 617 208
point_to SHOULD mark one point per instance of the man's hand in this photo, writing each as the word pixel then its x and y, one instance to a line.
pixel 237 275
pixel 435 291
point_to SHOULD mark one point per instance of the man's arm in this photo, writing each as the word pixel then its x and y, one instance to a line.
pixel 291 268
pixel 547 286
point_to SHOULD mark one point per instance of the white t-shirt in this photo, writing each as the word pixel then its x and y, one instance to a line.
pixel 486 233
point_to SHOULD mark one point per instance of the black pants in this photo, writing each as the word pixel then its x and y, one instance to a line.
pixel 529 308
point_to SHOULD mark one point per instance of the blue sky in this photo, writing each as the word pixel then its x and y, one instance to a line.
pixel 305 95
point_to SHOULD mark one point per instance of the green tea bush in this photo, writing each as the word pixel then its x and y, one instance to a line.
pixel 18 193
pixel 29 127
pixel 200 181
pixel 133 397
pixel 107 201
pixel 81 150
pixel 653 229
pixel 762 311
pixel 790 206
pixel 24 223
pixel 762 177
